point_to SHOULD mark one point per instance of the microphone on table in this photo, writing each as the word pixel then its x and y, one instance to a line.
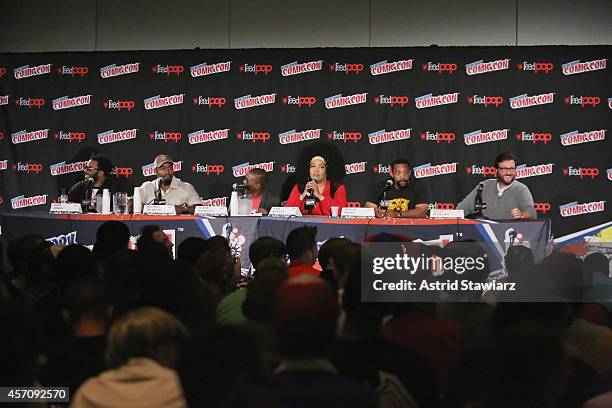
pixel 383 203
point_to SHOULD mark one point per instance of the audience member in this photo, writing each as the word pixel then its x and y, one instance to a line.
pixel 302 250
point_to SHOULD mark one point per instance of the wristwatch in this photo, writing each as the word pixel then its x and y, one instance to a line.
pixel 399 214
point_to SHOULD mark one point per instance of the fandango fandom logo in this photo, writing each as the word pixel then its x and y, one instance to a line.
pixel 581 172
pixel 65 102
pixel 26 71
pixel 209 101
pixel 294 68
pixel 293 136
pixel 440 67
pixel 573 209
pixel 478 136
pixel 23 202
pixel 583 100
pixel 485 100
pixel 429 100
pixel 156 102
pixel 215 169
pixel 393 100
pixel 110 136
pixel 354 168
pixel 536 67
pixel 427 170
pixel 339 101
pixel 575 137
pixel 525 101
pixel 58 169
pixel 534 137
pixel 168 69
pixel 248 101
pixel 253 136
pixel 438 137
pixel 149 169
pixel 114 70
pixel 24 136
pixel 345 136
pixel 481 170
pixel 385 67
pixel 256 68
pixel 480 67
pixel 300 101
pixel 384 136
pixel 577 67
pixel 346 67
pixel 524 171
pixel 166 136
pixel 28 167
pixel 65 239
pixel 204 136
pixel 241 170
pixel 205 69
pixel 72 71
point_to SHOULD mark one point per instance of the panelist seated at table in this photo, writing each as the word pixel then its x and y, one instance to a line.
pixel 505 197
pixel 399 196
pixel 97 178
pixel 263 200
pixel 169 190
pixel 318 195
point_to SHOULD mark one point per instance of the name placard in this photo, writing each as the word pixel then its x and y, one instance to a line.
pixel 357 212
pixel 446 214
pixel 65 208
pixel 153 209
pixel 285 212
pixel 211 211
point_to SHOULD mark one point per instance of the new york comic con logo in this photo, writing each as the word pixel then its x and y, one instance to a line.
pixel 385 67
pixel 205 136
pixel 440 67
pixel 295 68
pixel 205 69
pixel 29 168
pixel 165 136
pixel 66 102
pixel 572 209
pixel 481 67
pixel 209 101
pixel 114 70
pixel 156 102
pixel 256 69
pixel 340 101
pixel 23 201
pixel 577 67
pixel 582 101
pixel 438 137
pixel 429 170
pixel 524 171
pixel 215 202
pixel 214 169
pixel 294 136
pixel 355 168
pixel 26 71
pixel 73 71
pixel 430 100
pixel 70 136
pixel 248 101
pixel 149 169
pixel 119 105
pixel 576 137
pixel 168 69
pixel 526 101
pixel 4 100
pixel 61 168
pixel 241 170
pixel 386 136
pixel 253 136
pixel 110 136
pixel 30 102
pixel 478 136
pixel 534 137
pixel 392 100
pixel 581 172
pixel 23 136
pixel 346 67
pixel 537 67
pixel 485 100
pixel 344 136
pixel 610 103
pixel 299 101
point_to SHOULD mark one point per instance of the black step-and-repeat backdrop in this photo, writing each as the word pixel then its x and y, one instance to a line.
pixel 450 111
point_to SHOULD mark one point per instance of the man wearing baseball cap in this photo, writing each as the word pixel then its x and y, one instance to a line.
pixel 167 189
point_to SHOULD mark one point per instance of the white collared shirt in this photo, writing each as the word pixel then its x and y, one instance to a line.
pixel 180 192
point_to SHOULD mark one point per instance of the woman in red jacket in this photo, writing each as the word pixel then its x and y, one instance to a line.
pixel 319 193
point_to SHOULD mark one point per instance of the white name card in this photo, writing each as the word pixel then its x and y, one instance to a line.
pixel 211 211
pixel 285 212
pixel 446 213
pixel 357 212
pixel 152 209
pixel 65 208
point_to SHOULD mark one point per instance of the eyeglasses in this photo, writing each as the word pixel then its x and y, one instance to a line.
pixel 89 168
pixel 508 169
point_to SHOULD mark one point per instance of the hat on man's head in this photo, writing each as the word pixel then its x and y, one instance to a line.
pixel 162 159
